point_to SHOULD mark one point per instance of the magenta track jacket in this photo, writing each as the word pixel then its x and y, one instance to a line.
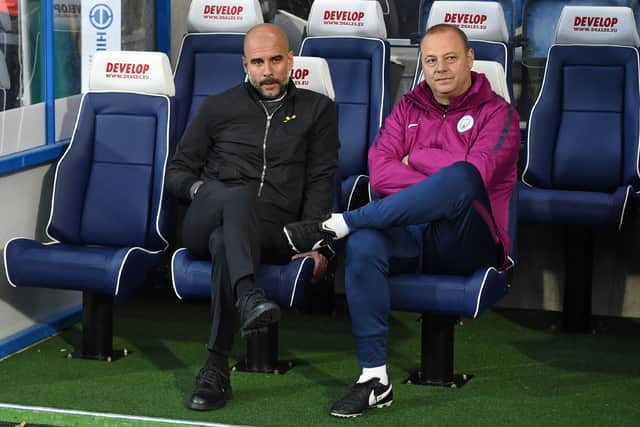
pixel 478 127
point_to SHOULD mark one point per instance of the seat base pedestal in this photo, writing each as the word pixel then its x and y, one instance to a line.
pixel 437 353
pixel 281 367
pixel 115 355
pixel 262 353
pixel 576 311
pixel 416 377
pixel 97 328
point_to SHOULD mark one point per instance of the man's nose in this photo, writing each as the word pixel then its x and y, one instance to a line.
pixel 441 65
pixel 267 70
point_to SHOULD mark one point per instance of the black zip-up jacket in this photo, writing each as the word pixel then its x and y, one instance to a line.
pixel 290 156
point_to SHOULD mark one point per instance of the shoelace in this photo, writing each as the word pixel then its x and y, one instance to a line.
pixel 212 376
pixel 358 392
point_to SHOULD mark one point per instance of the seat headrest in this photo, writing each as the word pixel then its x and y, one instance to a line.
pixel 231 16
pixel 312 73
pixel 480 20
pixel 135 71
pixel 597 25
pixel 494 71
pixel 346 18
pixel 495 74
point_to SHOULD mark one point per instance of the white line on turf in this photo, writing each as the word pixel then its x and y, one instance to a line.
pixel 114 416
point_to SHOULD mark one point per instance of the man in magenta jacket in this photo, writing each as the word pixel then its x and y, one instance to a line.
pixel 445 165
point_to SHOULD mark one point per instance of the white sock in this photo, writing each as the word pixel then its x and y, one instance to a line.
pixel 377 372
pixel 336 224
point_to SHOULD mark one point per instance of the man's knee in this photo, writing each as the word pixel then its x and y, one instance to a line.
pixel 216 242
pixel 463 179
pixel 366 248
pixel 240 200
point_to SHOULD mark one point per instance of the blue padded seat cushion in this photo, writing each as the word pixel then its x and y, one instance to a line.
pixel 194 79
pixel 191 278
pixel 466 296
pixel 580 130
pixel 541 205
pixel 104 191
pixel 358 72
pixel 61 266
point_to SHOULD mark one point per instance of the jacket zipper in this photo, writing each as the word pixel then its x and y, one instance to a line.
pixel 442 117
pixel 264 144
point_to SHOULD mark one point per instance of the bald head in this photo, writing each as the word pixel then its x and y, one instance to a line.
pixel 270 33
pixel 267 60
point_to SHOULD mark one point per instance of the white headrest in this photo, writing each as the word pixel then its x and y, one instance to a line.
pixel 5 81
pixel 136 71
pixel 346 18
pixel 480 20
pixel 496 76
pixel 232 16
pixel 310 72
pixel 597 25
pixel 494 73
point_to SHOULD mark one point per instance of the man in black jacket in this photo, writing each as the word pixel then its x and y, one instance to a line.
pixel 253 159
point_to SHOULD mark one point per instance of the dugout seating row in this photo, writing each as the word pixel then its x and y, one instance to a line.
pixel 358 58
pixel 99 161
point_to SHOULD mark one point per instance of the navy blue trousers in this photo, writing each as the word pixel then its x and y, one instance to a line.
pixel 430 227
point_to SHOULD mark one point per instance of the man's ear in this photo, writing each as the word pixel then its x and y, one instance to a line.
pixel 244 64
pixel 290 60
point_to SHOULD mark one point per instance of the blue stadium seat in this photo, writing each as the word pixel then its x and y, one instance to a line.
pixel 443 299
pixel 489 39
pixel 583 142
pixel 210 58
pixel 108 222
pixel 350 35
pixel 285 284
pixel 539 20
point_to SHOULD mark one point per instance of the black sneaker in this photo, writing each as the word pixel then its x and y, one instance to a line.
pixel 213 389
pixel 369 394
pixel 256 311
pixel 304 236
pixel 360 193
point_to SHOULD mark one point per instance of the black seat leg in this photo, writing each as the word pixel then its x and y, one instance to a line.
pixel 97 328
pixel 437 353
pixel 576 310
pixel 262 353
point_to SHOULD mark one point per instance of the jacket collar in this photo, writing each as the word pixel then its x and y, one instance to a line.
pixel 255 95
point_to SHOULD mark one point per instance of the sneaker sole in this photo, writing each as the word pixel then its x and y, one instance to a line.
pixel 259 323
pixel 197 407
pixel 378 406
pixel 288 236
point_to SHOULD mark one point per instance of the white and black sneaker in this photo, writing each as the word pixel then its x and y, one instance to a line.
pixel 369 394
pixel 304 236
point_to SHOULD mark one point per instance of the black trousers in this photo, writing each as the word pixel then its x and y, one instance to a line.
pixel 231 226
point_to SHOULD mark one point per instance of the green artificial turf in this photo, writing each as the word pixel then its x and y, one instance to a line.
pixel 524 373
